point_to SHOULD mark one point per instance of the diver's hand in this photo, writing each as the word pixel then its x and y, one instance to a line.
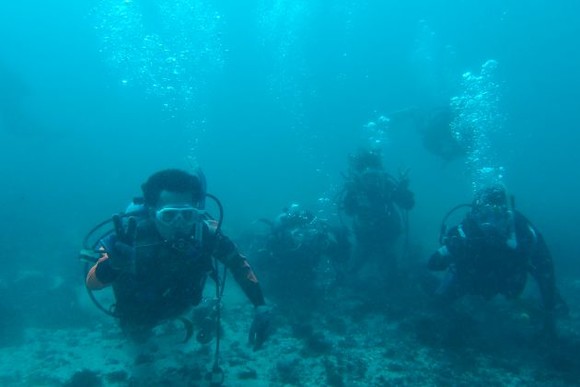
pixel 260 326
pixel 126 236
pixel 404 179
pixel 440 260
pixel 122 253
pixel 404 198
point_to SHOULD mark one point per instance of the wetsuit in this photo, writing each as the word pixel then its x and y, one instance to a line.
pixel 165 281
pixel 374 200
pixel 486 266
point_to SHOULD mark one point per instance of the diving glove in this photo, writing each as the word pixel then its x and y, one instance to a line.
pixel 260 326
pixel 122 253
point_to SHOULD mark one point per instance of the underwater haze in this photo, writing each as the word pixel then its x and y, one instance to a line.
pixel 269 98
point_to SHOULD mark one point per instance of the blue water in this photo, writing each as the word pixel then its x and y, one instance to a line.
pixel 269 98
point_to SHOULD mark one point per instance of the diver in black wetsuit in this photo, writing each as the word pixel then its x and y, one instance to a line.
pixel 492 251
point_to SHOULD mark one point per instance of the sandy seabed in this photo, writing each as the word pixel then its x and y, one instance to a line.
pixel 342 343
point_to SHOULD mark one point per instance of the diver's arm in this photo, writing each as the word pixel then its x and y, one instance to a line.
pixel 404 198
pixel 541 267
pixel 453 246
pixel 101 274
pixel 440 259
pixel 349 203
pixel 227 253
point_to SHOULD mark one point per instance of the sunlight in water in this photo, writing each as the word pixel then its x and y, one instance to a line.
pixel 169 48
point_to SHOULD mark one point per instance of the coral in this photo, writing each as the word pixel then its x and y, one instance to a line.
pixel 118 376
pixel 318 343
pixel 288 370
pixel 85 378
pixel 247 374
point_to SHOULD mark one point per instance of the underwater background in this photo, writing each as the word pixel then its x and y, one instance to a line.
pixel 269 98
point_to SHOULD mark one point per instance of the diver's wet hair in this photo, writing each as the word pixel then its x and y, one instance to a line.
pixel 366 158
pixel 172 180
pixel 495 195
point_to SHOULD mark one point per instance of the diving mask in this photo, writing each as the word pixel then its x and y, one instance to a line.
pixel 492 218
pixel 170 216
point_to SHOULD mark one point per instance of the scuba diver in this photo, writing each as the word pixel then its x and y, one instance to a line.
pixel 301 255
pixel 435 128
pixel 492 251
pixel 378 204
pixel 161 252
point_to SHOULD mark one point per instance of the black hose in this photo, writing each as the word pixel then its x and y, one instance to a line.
pixel 443 228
